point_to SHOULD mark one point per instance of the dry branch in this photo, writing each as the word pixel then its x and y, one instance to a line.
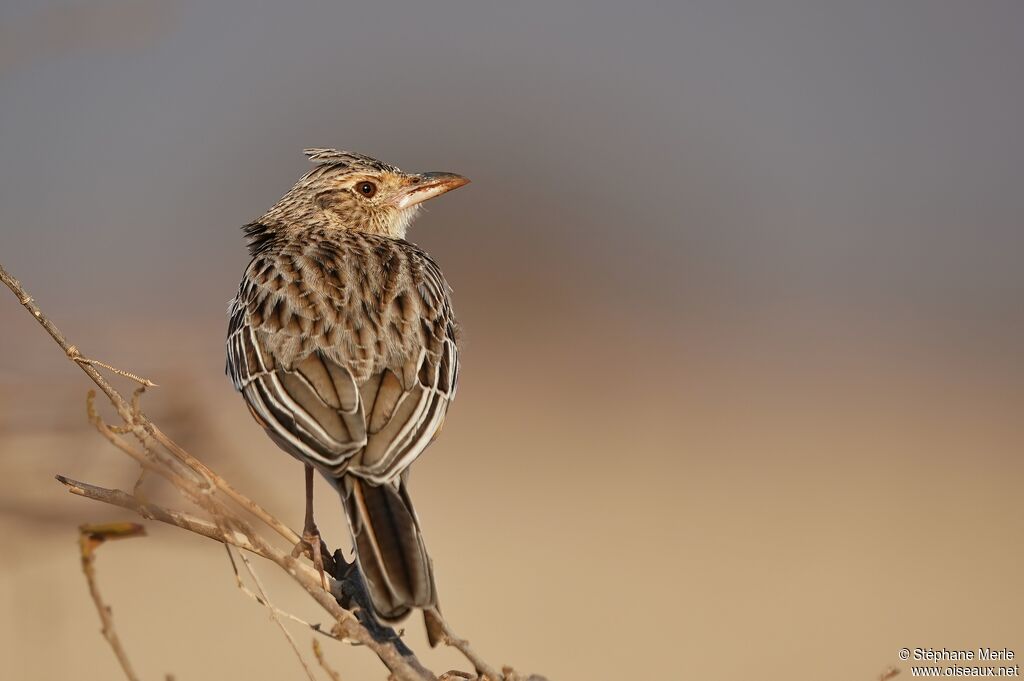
pixel 89 539
pixel 223 515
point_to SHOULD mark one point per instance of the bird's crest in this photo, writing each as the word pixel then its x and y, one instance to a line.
pixel 347 159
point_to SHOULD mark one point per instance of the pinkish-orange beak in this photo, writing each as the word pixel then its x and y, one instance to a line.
pixel 424 186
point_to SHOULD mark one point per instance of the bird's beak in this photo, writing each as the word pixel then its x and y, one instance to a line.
pixel 420 187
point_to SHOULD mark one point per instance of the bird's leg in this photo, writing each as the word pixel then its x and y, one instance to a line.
pixel 310 534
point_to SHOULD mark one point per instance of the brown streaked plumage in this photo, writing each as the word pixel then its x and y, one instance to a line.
pixel 343 342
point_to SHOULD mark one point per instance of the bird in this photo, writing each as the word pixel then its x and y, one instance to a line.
pixel 343 342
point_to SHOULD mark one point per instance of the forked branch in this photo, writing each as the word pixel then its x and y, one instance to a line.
pixel 223 514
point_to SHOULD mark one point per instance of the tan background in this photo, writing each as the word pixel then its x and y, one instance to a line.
pixel 743 382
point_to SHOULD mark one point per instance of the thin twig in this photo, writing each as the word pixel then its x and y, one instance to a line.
pixel 89 539
pixel 245 502
pixel 75 355
pixel 27 301
pixel 185 521
pixel 145 459
pixel 462 645
pixel 319 654
pixel 265 600
pixel 143 425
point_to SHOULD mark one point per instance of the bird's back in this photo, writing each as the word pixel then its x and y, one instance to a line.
pixel 344 345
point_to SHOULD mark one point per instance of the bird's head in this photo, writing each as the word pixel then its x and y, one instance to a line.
pixel 351 191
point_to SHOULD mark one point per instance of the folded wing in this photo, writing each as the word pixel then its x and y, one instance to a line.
pixel 348 383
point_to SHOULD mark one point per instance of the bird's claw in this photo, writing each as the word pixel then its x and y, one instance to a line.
pixel 312 546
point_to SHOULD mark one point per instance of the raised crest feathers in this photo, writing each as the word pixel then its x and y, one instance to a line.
pixel 348 159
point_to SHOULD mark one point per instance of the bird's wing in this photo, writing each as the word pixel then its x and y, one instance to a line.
pixel 347 356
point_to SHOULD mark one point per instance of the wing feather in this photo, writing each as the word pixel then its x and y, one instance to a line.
pixel 390 394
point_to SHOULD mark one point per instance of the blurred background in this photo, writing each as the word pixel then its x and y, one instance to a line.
pixel 743 381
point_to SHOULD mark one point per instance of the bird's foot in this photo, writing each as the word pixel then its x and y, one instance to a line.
pixel 313 546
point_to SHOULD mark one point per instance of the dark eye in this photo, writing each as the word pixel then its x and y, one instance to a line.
pixel 367 189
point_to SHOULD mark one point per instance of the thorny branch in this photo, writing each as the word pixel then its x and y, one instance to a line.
pixel 223 516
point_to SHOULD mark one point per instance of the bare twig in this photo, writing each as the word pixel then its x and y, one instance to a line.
pixel 142 426
pixel 888 673
pixel 319 654
pixel 462 645
pixel 89 539
pixel 263 601
pixel 263 598
pixel 185 521
pixel 74 354
pixel 246 503
pixel 26 300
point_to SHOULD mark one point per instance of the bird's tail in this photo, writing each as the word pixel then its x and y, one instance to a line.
pixel 389 547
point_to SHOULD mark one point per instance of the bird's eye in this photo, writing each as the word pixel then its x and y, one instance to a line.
pixel 367 189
